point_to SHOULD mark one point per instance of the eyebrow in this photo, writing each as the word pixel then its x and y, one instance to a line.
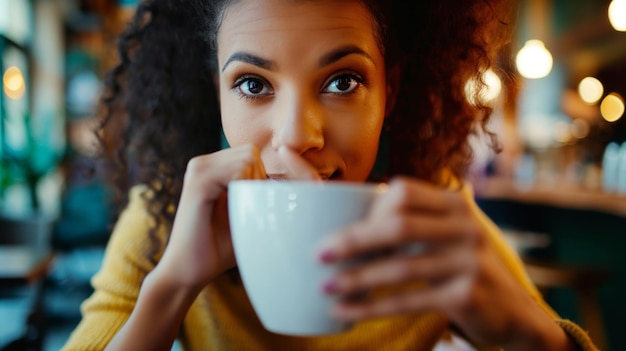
pixel 342 52
pixel 325 60
pixel 251 59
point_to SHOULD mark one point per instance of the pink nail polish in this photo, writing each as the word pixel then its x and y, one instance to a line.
pixel 327 256
pixel 330 287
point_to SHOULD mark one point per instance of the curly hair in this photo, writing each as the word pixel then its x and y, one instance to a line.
pixel 446 44
pixel 160 105
pixel 159 108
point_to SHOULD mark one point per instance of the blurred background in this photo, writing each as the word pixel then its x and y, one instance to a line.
pixel 557 189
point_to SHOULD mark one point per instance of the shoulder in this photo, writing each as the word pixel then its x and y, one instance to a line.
pixel 137 236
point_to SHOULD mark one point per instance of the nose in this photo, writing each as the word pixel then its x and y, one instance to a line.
pixel 299 124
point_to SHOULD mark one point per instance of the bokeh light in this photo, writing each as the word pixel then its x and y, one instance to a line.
pixel 617 15
pixel 13 82
pixel 562 132
pixel 612 107
pixel 590 90
pixel 580 128
pixel 534 60
pixel 490 92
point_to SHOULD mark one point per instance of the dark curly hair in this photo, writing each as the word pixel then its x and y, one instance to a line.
pixel 160 107
pixel 446 44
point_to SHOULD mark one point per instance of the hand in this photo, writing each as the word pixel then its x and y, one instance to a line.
pixel 200 247
pixel 458 272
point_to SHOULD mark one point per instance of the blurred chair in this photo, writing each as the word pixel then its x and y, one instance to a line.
pixel 26 258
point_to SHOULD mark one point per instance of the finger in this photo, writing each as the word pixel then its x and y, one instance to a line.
pixel 431 267
pixel 297 168
pixel 426 299
pixel 245 160
pixel 407 194
pixel 260 169
pixel 396 233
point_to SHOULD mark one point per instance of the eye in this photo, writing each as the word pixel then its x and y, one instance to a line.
pixel 343 84
pixel 252 87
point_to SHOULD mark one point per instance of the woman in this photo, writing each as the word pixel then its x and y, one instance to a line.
pixel 306 91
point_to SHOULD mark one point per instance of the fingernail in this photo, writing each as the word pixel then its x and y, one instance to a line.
pixel 327 256
pixel 330 287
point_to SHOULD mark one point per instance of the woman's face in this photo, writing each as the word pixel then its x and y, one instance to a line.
pixel 308 75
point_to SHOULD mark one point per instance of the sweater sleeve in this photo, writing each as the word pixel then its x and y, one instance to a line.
pixel 117 284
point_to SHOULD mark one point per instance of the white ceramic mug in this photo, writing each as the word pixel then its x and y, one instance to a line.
pixel 277 228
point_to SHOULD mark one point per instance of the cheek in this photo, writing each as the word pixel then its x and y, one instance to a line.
pixel 238 128
pixel 361 154
pixel 357 141
pixel 231 115
pixel 235 133
pixel 227 116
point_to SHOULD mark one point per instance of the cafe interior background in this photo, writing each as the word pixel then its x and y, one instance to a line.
pixel 558 188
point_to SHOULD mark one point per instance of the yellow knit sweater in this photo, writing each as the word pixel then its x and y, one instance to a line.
pixel 222 319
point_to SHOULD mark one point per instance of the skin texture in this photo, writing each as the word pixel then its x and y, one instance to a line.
pixel 305 126
pixel 321 83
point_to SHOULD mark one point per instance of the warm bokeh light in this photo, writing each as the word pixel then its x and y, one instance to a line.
pixel 612 107
pixel 494 85
pixel 617 15
pixel 562 132
pixel 590 90
pixel 579 128
pixel 534 60
pixel 490 92
pixel 13 82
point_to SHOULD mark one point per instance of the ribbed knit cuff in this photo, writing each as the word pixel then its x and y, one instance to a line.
pixel 577 334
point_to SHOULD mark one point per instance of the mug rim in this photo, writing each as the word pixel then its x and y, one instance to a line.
pixel 329 184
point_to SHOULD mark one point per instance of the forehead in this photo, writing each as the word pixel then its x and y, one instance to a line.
pixel 253 22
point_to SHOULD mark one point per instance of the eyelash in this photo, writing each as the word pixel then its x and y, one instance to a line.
pixel 351 75
pixel 239 81
pixel 245 78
